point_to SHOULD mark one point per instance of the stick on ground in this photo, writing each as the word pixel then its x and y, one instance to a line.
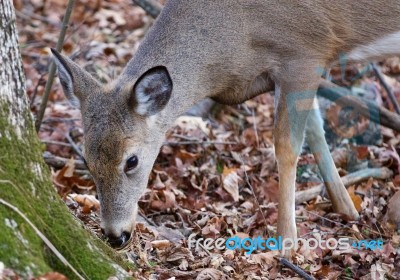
pixel 368 109
pixel 388 89
pixel 295 269
pixel 59 162
pixel 152 7
pixel 348 180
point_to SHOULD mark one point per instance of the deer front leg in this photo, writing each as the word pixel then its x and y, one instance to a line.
pixel 338 194
pixel 295 95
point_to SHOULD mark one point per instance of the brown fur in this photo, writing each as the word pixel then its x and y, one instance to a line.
pixel 230 51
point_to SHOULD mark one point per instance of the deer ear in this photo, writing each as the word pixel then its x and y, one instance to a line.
pixel 76 82
pixel 152 91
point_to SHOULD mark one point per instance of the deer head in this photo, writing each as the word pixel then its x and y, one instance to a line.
pixel 123 135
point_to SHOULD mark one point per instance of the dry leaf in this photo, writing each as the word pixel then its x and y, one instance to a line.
pixel 161 244
pixel 87 202
pixel 231 182
pixel 211 274
pixel 357 200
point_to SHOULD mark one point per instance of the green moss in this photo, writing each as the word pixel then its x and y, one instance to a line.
pixel 20 247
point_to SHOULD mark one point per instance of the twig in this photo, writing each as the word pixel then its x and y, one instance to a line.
pixel 254 194
pixel 36 90
pixel 52 70
pixel 388 89
pixel 184 137
pixel 380 234
pixel 329 220
pixel 60 162
pixel 56 119
pixel 200 143
pixel 368 109
pixel 150 222
pixel 153 8
pixel 295 268
pixel 348 278
pixel 86 173
pixel 49 142
pixel 74 146
pixel 348 180
pixel 346 226
pixel 204 249
pixel 43 237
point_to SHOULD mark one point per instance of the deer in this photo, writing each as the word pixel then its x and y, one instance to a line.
pixel 229 51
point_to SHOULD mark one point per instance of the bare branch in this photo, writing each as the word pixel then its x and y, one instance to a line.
pixel 348 180
pixel 389 91
pixel 52 70
pixel 153 8
pixel 295 269
pixel 368 109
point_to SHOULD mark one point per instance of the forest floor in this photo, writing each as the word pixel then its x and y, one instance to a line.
pixel 216 177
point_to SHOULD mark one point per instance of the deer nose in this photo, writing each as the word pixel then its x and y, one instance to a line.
pixel 118 241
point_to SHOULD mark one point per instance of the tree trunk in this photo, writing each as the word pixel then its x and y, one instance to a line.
pixel 25 183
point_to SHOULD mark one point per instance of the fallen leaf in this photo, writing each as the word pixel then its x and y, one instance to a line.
pixel 357 200
pixel 211 274
pixel 87 202
pixel 231 182
pixel 161 244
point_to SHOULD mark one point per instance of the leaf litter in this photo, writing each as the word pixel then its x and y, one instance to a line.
pixel 216 177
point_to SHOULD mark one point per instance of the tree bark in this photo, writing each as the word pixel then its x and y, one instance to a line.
pixel 25 183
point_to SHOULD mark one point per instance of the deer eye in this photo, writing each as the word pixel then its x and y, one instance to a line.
pixel 131 163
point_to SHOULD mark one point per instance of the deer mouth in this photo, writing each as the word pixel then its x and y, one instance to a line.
pixel 125 246
pixel 119 243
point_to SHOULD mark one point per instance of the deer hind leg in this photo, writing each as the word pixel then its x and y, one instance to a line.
pixel 338 194
pixel 295 94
